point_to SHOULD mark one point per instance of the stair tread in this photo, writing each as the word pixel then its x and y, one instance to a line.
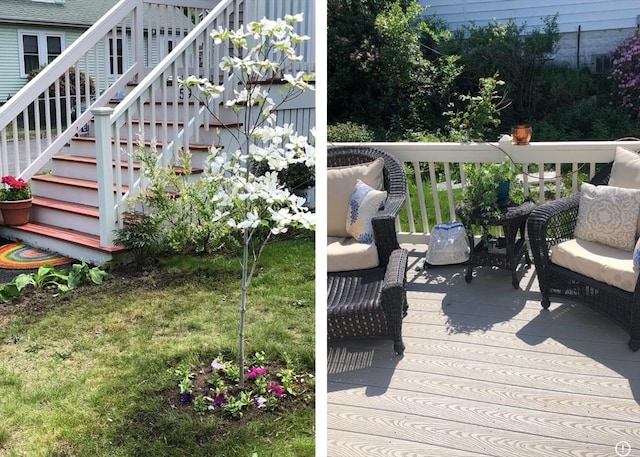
pixel 181 123
pixel 91 161
pixel 72 236
pixel 70 181
pixel 123 164
pixel 92 139
pixel 168 102
pixel 77 208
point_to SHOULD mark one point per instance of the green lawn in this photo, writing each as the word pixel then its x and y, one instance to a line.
pixel 86 373
pixel 428 198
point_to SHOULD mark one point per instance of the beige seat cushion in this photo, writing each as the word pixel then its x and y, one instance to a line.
pixel 346 254
pixel 340 184
pixel 597 261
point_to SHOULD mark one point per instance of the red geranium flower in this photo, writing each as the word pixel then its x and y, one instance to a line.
pixel 16 189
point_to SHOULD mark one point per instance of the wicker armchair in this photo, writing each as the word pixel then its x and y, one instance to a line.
pixel 372 302
pixel 554 222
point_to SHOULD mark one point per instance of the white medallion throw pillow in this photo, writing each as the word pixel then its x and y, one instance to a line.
pixel 364 205
pixel 608 215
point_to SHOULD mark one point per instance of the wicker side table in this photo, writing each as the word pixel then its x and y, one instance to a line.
pixel 510 249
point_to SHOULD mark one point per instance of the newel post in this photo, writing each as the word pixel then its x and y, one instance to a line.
pixel 106 199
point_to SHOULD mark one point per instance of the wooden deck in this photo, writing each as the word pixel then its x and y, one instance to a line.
pixel 485 373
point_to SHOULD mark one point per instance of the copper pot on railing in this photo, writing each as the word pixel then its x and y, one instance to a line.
pixel 521 134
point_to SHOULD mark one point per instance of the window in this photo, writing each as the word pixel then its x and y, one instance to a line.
pixel 38 49
pixel 116 56
pixel 600 63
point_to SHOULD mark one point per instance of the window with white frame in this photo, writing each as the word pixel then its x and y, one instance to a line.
pixel 116 56
pixel 38 48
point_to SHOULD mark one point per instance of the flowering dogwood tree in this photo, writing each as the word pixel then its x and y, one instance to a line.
pixel 256 203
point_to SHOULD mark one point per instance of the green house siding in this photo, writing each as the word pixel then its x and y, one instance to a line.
pixel 10 79
pixel 70 18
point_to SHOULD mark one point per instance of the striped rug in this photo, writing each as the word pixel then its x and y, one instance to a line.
pixel 17 256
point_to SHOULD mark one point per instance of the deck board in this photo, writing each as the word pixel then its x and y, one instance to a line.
pixel 485 372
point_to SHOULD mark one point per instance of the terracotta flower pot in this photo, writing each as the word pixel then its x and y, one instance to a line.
pixel 521 134
pixel 16 212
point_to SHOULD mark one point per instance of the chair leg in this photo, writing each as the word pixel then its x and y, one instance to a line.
pixel 545 302
pixel 634 344
pixel 398 346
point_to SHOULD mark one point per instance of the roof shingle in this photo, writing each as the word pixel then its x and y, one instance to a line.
pixel 71 12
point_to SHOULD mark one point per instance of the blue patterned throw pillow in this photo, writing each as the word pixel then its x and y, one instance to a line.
pixel 364 205
pixel 636 256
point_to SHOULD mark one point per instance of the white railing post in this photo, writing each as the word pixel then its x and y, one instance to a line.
pixel 104 161
pixel 138 39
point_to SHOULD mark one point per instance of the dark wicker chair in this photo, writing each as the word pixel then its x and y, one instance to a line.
pixel 372 302
pixel 554 222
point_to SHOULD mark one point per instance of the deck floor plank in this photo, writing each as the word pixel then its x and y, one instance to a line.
pixel 485 372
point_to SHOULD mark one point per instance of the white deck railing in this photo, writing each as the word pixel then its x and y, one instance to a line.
pixel 44 115
pixel 435 164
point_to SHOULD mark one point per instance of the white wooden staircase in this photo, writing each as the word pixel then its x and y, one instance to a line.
pixel 81 175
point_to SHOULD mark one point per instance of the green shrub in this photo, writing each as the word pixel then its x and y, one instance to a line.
pixel 513 51
pixel 349 132
pixel 72 82
pixel 178 212
pixel 587 119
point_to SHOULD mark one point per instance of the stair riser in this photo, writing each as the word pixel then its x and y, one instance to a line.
pixel 224 115
pixel 73 221
pixel 204 135
pixel 71 194
pixel 86 171
pixel 88 149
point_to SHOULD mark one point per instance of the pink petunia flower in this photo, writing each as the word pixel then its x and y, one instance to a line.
pixel 217 365
pixel 277 390
pixel 256 372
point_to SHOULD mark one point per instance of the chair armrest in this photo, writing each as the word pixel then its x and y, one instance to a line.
pixel 384 228
pixel 394 284
pixel 550 224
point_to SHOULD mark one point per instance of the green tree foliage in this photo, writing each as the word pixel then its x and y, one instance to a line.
pixel 380 74
pixel 513 51
pixel 477 115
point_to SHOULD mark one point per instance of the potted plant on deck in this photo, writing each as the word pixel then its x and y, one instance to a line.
pixel 487 190
pixel 15 201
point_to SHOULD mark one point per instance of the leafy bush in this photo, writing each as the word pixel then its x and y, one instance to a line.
pixel 479 114
pixel 178 211
pixel 380 74
pixel 47 277
pixel 626 73
pixel 349 132
pixel 71 90
pixel 511 50
pixel 587 119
